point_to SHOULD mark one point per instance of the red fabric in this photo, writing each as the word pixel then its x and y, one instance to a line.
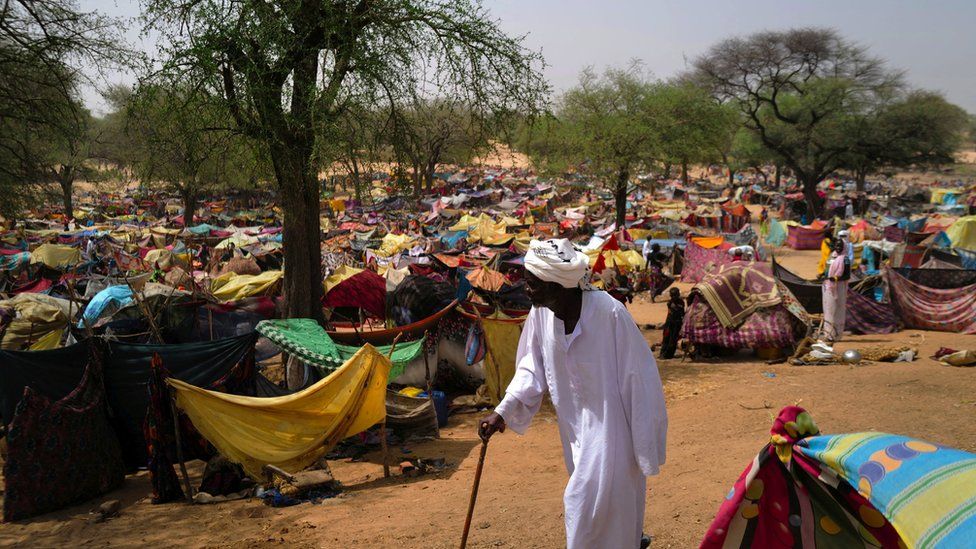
pixel 610 244
pixel 365 290
pixel 35 287
pixel 600 265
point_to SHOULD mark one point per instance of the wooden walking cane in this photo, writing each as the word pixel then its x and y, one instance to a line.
pixel 474 491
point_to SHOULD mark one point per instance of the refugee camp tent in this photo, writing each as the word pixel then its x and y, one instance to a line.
pixel 810 490
pixel 56 256
pixel 36 321
pixel 307 340
pixel 59 451
pixel 962 233
pixel 352 288
pixel 743 306
pixel 234 287
pixel 702 258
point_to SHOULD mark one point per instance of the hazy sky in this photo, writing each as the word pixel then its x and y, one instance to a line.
pixel 934 41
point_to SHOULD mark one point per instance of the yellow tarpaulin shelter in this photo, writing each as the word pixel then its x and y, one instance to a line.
pixel 490 235
pixel 167 259
pixel 501 336
pixel 395 243
pixel 628 259
pixel 39 323
pixel 232 286
pixel 290 432
pixel 962 233
pixel 56 256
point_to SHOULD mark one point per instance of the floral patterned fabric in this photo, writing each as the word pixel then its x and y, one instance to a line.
pixel 60 452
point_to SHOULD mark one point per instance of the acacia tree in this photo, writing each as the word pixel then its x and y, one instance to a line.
pixel 42 45
pixel 919 128
pixel 429 132
pixel 605 122
pixel 286 67
pixel 799 90
pixel 178 136
pixel 357 142
pixel 690 124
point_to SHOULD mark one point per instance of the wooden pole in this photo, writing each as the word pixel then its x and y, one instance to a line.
pixel 179 451
pixel 474 493
pixel 386 450
pixel 430 391
pixel 145 311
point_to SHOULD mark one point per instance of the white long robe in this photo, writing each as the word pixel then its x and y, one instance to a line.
pixel 604 383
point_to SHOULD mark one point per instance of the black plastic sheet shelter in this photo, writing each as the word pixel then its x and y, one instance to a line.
pixel 53 374
pixel 807 292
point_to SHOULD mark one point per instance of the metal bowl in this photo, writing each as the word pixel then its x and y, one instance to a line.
pixel 851 356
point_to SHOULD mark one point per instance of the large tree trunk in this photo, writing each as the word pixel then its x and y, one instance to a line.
pixel 814 204
pixel 623 176
pixel 302 288
pixel 862 176
pixel 429 175
pixel 731 177
pixel 684 172
pixel 667 170
pixel 67 182
pixel 189 206
pixel 779 175
pixel 418 180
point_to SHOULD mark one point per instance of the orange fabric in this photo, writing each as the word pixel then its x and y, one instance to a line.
pixel 708 242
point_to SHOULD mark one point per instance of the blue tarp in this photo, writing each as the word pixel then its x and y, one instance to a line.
pixel 114 296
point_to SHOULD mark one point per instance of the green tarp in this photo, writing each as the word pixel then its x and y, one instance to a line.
pixel 306 339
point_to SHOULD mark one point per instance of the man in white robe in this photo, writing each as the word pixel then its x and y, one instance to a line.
pixel 584 349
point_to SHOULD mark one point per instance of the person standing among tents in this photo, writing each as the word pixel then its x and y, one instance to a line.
pixel 584 349
pixel 672 326
pixel 835 293
pixel 656 280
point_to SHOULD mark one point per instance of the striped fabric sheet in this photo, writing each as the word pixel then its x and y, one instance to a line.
pixel 922 307
pixel 772 327
pixel 867 316
pixel 805 238
pixel 926 491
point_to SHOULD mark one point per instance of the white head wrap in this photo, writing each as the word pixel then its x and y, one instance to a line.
pixel 556 260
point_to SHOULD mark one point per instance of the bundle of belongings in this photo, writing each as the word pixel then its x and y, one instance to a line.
pixel 952 357
pixel 810 490
pixel 818 353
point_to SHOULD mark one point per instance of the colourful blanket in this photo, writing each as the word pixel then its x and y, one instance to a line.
pixel 699 261
pixel 805 238
pixel 857 490
pixel 60 451
pixel 922 307
pixel 737 290
pixel 774 327
pixel 867 316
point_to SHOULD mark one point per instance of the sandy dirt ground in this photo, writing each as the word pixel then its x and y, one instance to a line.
pixel 720 414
